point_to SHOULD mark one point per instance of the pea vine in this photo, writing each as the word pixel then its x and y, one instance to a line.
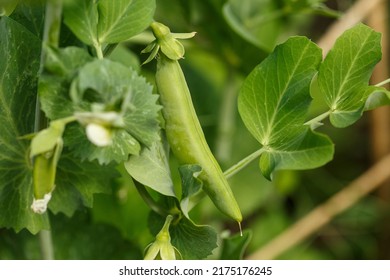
pixel 74 120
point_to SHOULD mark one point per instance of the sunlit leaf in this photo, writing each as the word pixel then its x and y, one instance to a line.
pixel 344 75
pixel 273 104
pixel 106 21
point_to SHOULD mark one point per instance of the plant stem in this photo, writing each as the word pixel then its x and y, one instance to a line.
pixel 149 200
pixel 317 120
pixel 51 36
pixel 383 83
pixel 226 119
pixel 98 49
pixel 324 213
pixel 243 163
pixel 46 245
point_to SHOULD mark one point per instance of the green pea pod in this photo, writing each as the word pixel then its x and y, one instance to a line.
pixel 44 174
pixel 184 132
pixel 45 151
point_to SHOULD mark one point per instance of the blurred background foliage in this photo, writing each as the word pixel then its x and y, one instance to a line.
pixel 233 36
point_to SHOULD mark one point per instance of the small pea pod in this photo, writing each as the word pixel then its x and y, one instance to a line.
pixel 184 132
pixel 46 149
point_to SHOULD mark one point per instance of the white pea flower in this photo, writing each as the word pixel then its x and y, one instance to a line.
pixel 99 135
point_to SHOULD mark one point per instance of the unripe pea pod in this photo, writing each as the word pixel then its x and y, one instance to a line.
pixel 46 149
pixel 183 130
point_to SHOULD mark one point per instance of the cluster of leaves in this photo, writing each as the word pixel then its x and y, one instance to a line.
pixel 76 81
pixel 275 98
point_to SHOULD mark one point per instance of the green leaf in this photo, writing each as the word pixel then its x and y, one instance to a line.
pixel 377 97
pixel 273 104
pixel 258 22
pixel 151 168
pixel 61 66
pixel 77 182
pixel 193 242
pixel 122 19
pixel 344 75
pixel 106 21
pixel 7 7
pixel 19 64
pixel 105 86
pixel 233 247
pixel 311 151
pixel 30 15
pixel 82 18
pixel 191 186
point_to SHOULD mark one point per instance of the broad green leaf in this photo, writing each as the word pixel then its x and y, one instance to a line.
pixel 344 75
pixel 19 64
pixel 193 242
pixel 233 247
pixel 77 182
pixel 122 19
pixel 82 18
pixel 106 86
pixel 30 14
pixel 273 104
pixel 151 168
pixel 105 22
pixel 191 186
pixel 258 22
pixel 61 66
pixel 311 151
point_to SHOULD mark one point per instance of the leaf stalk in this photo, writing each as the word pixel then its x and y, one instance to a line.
pixel 242 164
pixel 383 83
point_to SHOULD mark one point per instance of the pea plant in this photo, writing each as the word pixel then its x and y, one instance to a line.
pixel 74 119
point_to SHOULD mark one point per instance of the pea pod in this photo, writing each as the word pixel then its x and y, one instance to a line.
pixel 45 152
pixel 183 130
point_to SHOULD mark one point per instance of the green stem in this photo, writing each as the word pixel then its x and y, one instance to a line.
pixel 98 49
pixel 67 120
pixel 46 245
pixel 51 36
pixel 383 83
pixel 149 200
pixel 318 119
pixel 226 120
pixel 243 163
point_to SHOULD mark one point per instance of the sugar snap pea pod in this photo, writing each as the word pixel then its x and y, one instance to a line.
pixel 183 129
